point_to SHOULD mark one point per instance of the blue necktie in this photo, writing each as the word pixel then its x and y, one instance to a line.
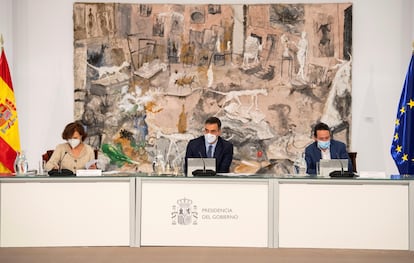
pixel 210 151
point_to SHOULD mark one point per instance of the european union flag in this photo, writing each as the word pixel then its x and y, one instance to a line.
pixel 402 148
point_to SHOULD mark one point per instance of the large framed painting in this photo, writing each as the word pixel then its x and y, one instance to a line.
pixel 148 75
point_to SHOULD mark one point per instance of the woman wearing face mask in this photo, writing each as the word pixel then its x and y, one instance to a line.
pixel 324 148
pixel 211 145
pixel 73 154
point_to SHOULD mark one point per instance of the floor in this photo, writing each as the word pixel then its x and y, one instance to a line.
pixel 199 254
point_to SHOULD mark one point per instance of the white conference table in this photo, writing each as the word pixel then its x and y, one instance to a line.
pixel 246 211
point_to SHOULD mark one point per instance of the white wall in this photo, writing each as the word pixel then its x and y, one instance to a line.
pixel 6 28
pixel 40 54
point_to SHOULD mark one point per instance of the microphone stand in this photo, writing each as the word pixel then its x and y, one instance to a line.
pixel 60 171
pixel 204 171
pixel 341 173
pixel 60 162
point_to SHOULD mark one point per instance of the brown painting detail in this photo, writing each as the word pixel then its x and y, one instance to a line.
pixel 147 76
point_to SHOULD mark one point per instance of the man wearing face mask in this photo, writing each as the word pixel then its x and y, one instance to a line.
pixel 324 148
pixel 211 145
pixel 73 154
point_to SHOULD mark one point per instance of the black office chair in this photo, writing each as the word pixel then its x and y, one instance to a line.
pixel 352 156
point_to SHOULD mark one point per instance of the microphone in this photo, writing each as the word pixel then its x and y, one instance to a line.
pixel 341 173
pixel 60 162
pixel 204 171
pixel 60 171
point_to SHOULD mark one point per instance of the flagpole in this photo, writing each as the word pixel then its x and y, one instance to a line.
pixel 1 42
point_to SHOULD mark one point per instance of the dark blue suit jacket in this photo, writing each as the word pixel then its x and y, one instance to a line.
pixel 313 155
pixel 223 153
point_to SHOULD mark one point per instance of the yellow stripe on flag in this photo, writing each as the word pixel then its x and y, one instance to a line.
pixel 9 128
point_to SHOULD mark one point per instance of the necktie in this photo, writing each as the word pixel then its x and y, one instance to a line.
pixel 210 151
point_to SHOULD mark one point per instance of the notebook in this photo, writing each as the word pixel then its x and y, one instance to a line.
pixel 328 166
pixel 198 163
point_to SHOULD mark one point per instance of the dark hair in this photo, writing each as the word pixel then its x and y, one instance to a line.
pixel 214 120
pixel 71 128
pixel 320 127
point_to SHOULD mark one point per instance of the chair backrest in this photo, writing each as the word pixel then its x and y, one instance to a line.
pixel 352 156
pixel 46 156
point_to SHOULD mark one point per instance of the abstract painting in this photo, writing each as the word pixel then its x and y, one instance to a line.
pixel 148 75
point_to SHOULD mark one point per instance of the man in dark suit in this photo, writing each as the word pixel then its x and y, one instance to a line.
pixel 211 145
pixel 324 148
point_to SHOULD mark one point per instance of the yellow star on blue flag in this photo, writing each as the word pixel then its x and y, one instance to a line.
pixel 402 147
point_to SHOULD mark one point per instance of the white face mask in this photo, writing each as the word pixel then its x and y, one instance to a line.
pixel 73 142
pixel 210 138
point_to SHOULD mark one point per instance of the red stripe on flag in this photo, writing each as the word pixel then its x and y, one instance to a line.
pixel 4 70
pixel 7 155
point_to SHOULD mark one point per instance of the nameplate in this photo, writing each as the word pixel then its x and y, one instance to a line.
pixel 372 174
pixel 89 172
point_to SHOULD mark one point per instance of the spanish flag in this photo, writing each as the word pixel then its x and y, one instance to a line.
pixel 9 128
